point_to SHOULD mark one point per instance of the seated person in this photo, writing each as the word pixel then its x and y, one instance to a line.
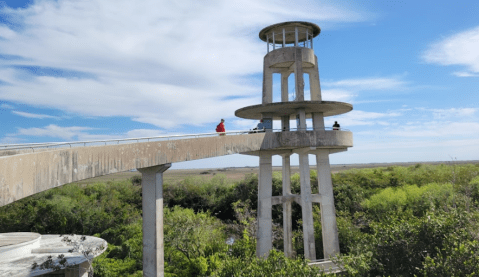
pixel 259 127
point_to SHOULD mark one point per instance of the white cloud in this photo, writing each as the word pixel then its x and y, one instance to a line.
pixel 6 33
pixel 348 90
pixel 448 113
pixel 33 115
pixel 437 129
pixel 53 131
pixel 459 49
pixel 356 118
pixel 80 133
pixel 337 95
pixel 464 74
pixel 144 133
pixel 244 124
pixel 6 106
pixel 361 84
pixel 159 62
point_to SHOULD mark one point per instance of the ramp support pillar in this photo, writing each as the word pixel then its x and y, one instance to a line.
pixel 153 244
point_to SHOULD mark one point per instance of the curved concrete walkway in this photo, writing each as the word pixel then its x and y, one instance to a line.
pixel 25 174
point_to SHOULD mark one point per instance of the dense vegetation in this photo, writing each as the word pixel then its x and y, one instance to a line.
pixel 396 221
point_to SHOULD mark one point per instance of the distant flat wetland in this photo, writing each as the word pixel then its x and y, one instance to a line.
pixel 238 173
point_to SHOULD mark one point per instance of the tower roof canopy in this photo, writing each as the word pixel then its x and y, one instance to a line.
pixel 289 28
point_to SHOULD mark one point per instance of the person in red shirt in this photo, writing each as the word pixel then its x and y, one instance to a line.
pixel 221 127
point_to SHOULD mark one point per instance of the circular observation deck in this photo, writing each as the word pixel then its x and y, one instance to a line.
pixel 306 31
pixel 280 109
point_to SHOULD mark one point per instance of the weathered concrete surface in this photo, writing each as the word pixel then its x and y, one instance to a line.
pixel 18 258
pixel 287 209
pixel 285 57
pixel 26 174
pixel 265 214
pixel 328 213
pixel 318 139
pixel 306 206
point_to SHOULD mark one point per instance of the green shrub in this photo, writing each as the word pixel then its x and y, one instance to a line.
pixel 418 199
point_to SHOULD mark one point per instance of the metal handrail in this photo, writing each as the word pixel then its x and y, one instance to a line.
pixel 50 144
pixel 56 144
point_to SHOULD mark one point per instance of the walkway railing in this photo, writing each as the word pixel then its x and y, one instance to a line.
pixel 71 144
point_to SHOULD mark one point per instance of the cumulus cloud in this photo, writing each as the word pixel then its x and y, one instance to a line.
pixel 458 49
pixel 159 62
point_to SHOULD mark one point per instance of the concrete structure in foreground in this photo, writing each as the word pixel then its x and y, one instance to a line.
pixel 18 252
pixel 290 51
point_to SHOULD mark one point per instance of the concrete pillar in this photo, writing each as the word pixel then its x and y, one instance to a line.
pixel 298 74
pixel 83 269
pixel 153 244
pixel 284 86
pixel 328 211
pixel 302 120
pixel 265 192
pixel 71 272
pixel 306 205
pixel 314 84
pixel 318 121
pixel 285 123
pixel 287 210
pixel 267 85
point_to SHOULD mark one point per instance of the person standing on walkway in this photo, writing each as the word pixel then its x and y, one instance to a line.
pixel 221 127
pixel 336 125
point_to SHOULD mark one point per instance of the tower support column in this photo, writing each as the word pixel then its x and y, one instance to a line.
pixel 306 205
pixel 287 210
pixel 328 211
pixel 267 85
pixel 265 192
pixel 318 121
pixel 314 84
pixel 152 202
pixel 284 86
pixel 298 74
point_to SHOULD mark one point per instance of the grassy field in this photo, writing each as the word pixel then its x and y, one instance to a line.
pixel 238 173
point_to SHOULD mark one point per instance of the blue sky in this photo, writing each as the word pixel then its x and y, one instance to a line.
pixel 83 70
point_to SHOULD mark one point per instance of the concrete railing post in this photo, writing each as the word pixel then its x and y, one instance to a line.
pixel 153 244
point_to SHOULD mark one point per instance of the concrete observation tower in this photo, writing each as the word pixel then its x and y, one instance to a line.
pixel 290 51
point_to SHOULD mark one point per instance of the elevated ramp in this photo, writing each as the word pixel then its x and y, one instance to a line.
pixel 24 174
